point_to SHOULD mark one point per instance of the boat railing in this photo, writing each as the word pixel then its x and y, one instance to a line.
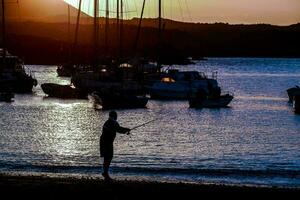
pixel 227 93
pixel 202 75
pixel 29 72
pixel 214 75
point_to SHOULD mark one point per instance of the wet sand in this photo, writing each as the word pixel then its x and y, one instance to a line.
pixel 127 189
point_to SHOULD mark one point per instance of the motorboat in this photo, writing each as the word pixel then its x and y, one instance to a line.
pixel 63 91
pixel 175 84
pixel 293 92
pixel 220 102
pixel 13 75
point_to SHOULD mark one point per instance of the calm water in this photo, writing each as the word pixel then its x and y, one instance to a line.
pixel 255 141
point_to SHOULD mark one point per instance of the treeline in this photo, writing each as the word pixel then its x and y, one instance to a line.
pixel 48 43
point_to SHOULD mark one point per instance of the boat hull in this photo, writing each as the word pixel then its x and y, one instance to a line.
pixel 177 91
pixel 220 102
pixel 6 96
pixel 118 101
pixel 296 104
pixel 13 76
pixel 295 91
pixel 62 91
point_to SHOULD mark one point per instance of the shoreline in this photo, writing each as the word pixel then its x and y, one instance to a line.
pixel 127 188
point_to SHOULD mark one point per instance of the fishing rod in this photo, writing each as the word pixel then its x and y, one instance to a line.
pixel 144 124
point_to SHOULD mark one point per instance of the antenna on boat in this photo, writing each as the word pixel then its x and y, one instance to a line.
pixel 3 31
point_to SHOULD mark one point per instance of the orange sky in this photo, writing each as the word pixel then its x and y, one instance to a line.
pixel 281 12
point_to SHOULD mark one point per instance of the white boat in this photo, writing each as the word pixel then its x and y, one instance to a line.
pixel 176 84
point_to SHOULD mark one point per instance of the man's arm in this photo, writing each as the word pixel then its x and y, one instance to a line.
pixel 121 129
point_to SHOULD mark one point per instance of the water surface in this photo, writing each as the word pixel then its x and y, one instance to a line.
pixel 255 141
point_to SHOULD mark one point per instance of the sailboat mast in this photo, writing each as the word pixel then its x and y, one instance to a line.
pixel 77 24
pixel 69 33
pixel 121 28
pixel 106 27
pixel 118 28
pixel 3 31
pixel 96 30
pixel 69 23
pixel 159 35
pixel 139 27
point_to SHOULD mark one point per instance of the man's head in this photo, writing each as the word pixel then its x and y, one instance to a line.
pixel 113 115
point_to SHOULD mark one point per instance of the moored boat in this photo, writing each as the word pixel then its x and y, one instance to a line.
pixel 221 101
pixel 13 76
pixel 296 104
pixel 66 70
pixel 6 96
pixel 175 84
pixel 294 91
pixel 119 101
pixel 62 91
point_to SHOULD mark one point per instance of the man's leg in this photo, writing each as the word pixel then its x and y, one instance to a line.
pixel 106 164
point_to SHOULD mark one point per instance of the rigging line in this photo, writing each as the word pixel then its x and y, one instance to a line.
pixel 148 12
pixel 135 5
pixel 163 9
pixel 181 10
pixel 139 27
pixel 171 10
pixel 112 8
pixel 188 10
pixel 19 11
pixel 128 10
pixel 11 2
pixel 125 9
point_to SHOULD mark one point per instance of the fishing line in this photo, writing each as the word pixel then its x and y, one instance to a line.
pixel 153 120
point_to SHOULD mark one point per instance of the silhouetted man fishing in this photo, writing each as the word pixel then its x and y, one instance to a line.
pixel 110 128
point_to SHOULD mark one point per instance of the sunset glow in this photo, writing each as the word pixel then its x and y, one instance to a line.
pixel 203 11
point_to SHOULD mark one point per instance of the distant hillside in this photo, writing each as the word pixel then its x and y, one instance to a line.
pixel 47 43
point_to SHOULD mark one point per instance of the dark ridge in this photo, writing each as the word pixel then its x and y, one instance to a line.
pixel 47 43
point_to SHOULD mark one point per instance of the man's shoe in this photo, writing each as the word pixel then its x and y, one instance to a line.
pixel 107 177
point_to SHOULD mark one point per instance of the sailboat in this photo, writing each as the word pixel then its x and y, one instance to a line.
pixel 113 82
pixel 68 69
pixel 13 76
pixel 173 84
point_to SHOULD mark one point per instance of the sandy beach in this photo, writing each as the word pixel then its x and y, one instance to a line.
pixel 126 189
